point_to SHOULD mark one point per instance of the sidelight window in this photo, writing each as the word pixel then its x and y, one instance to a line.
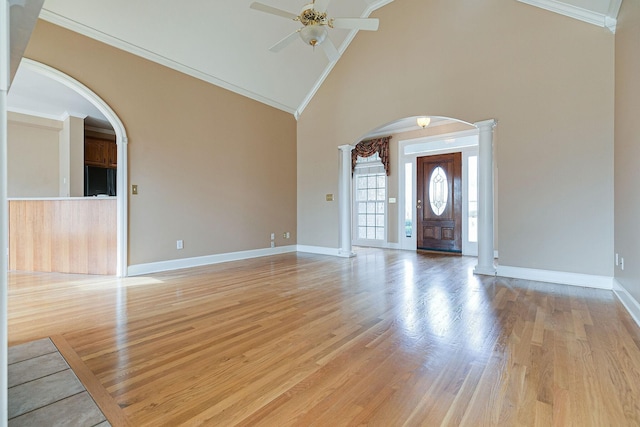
pixel 472 198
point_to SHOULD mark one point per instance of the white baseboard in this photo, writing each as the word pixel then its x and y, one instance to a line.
pixel 319 250
pixel 381 245
pixel 561 277
pixel 630 303
pixel 176 264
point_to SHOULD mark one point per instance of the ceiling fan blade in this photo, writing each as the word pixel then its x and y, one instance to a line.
pixel 369 24
pixel 284 42
pixel 321 5
pixel 330 50
pixel 272 10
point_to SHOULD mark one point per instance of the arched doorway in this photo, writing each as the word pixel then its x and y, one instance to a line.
pixel 485 137
pixel 121 143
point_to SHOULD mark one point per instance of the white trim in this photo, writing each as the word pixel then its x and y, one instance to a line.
pixel 630 303
pixel 561 277
pixel 611 21
pixel 576 12
pixel 409 243
pixel 121 141
pixel 58 126
pixel 414 127
pixel 177 264
pixel 62 21
pixel 5 53
pixel 28 112
pixel 318 250
pixel 377 244
pixel 614 8
pixel 439 137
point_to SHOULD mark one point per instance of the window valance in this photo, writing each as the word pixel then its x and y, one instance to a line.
pixel 369 148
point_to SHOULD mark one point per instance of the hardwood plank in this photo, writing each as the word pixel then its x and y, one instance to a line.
pixel 104 401
pixel 386 338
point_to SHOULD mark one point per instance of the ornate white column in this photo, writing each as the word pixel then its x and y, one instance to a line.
pixel 485 198
pixel 344 201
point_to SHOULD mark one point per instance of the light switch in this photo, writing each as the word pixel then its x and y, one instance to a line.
pixel 134 189
pixel 392 200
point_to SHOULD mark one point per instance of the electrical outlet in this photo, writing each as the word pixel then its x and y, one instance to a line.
pixel 273 237
pixel 286 235
pixel 179 244
pixel 273 244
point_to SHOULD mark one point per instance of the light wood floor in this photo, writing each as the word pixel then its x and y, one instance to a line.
pixel 388 338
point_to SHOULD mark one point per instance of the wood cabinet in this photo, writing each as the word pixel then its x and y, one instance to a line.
pixel 100 152
pixel 112 155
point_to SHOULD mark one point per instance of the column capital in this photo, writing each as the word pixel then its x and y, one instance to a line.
pixel 486 124
pixel 345 147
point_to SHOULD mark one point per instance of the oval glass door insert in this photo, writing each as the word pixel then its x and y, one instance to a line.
pixel 438 191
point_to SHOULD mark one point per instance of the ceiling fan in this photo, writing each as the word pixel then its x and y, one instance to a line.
pixel 315 22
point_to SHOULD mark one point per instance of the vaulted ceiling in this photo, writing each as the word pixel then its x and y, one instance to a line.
pixel 227 44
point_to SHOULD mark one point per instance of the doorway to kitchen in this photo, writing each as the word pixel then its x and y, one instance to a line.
pixel 121 151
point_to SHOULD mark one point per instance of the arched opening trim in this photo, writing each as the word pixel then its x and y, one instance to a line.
pixel 121 141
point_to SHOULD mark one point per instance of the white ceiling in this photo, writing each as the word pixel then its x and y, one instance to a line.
pixel 226 43
pixel 222 42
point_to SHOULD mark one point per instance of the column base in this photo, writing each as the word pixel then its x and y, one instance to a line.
pixel 485 270
pixel 346 254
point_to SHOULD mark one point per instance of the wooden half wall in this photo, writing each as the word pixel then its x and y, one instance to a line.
pixel 63 235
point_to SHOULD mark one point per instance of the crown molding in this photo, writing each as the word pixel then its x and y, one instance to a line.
pixel 27 112
pixel 87 31
pixel 595 18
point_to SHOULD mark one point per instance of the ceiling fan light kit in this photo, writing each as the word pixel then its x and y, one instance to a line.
pixel 314 32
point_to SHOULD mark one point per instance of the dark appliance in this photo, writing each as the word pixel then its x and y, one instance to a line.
pixel 99 181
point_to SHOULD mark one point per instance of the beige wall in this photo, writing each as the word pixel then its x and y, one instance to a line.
pixel 71 157
pixel 33 156
pixel 76 156
pixel 46 157
pixel 213 168
pixel 548 79
pixel 627 146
